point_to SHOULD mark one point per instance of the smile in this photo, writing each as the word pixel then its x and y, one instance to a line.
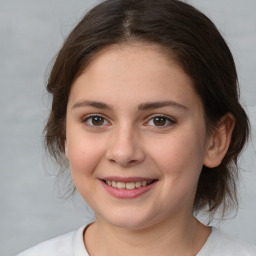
pixel 128 185
pixel 127 188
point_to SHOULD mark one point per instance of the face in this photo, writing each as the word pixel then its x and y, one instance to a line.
pixel 135 137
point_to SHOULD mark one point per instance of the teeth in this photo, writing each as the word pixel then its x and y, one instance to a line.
pixel 113 184
pixel 138 184
pixel 119 184
pixel 144 183
pixel 128 185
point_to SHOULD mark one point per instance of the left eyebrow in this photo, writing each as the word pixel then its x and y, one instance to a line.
pixel 161 104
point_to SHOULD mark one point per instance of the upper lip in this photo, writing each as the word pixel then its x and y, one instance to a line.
pixel 127 179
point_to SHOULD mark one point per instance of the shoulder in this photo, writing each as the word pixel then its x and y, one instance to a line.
pixel 219 243
pixel 61 245
pixel 64 245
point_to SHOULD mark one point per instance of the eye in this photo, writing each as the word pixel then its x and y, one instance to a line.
pixel 95 120
pixel 160 121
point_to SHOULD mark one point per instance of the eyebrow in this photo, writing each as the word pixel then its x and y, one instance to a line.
pixel 141 107
pixel 95 104
pixel 161 104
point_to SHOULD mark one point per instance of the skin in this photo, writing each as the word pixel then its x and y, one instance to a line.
pixel 128 141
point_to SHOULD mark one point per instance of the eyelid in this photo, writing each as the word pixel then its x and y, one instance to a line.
pixel 87 117
pixel 171 120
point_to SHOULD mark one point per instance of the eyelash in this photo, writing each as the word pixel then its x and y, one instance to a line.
pixel 90 117
pixel 167 121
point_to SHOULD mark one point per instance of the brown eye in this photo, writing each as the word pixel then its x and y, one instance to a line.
pixel 97 120
pixel 159 121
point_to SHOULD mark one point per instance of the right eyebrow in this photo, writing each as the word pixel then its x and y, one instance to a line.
pixel 95 104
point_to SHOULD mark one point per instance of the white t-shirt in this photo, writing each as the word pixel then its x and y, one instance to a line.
pixel 71 244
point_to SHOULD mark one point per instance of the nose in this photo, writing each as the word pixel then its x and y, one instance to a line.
pixel 125 148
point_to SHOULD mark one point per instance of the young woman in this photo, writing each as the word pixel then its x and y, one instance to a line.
pixel 146 112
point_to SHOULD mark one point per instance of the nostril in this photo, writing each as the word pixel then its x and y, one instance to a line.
pixel 125 152
pixel 124 163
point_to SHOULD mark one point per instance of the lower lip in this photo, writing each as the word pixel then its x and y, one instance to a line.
pixel 127 193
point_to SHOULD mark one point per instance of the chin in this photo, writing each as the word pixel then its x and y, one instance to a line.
pixel 129 220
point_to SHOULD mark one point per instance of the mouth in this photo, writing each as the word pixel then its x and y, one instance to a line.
pixel 127 188
pixel 128 185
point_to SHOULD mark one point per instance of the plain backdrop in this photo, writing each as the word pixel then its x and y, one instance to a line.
pixel 31 32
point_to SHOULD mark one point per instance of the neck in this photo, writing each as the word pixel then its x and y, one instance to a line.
pixel 176 236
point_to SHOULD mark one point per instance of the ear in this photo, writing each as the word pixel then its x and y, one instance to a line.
pixel 63 133
pixel 219 141
pixel 66 149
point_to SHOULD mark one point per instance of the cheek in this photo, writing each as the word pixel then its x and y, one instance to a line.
pixel 179 160
pixel 179 155
pixel 83 155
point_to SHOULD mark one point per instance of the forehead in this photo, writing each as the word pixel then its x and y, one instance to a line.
pixel 144 72
pixel 133 54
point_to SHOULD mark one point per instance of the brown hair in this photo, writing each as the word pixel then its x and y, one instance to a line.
pixel 197 46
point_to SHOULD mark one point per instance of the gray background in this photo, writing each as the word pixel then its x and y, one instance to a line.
pixel 31 32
